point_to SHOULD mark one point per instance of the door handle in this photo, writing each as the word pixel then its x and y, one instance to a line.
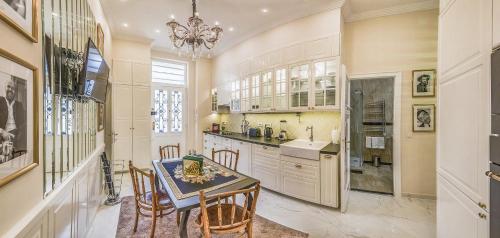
pixel 298 166
pixel 493 176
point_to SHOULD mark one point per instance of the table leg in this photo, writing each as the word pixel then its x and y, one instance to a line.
pixel 157 182
pixel 183 224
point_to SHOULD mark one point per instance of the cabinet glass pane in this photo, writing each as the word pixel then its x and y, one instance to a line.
pixel 294 102
pixel 304 100
pixel 330 97
pixel 319 98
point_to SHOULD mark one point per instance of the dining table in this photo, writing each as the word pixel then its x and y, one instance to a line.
pixel 184 194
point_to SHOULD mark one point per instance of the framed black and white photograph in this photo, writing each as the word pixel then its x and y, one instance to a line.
pixel 424 118
pixel 424 83
pixel 18 117
pixel 22 16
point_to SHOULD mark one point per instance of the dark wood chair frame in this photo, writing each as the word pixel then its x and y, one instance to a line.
pixel 149 208
pixel 226 158
pixel 236 224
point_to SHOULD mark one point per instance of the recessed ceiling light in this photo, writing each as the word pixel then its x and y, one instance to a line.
pixel 231 29
pixel 157 31
pixel 264 10
pixel 125 24
pixel 216 23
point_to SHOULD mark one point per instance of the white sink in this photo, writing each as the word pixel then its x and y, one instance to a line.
pixel 303 148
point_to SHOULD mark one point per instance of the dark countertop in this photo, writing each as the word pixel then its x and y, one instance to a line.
pixel 331 148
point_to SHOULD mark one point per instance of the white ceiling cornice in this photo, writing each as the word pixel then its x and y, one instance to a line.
pixel 400 9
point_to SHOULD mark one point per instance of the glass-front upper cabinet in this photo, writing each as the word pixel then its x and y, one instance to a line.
pixel 266 102
pixel 245 94
pixel 213 97
pixel 299 86
pixel 325 82
pixel 235 96
pixel 255 93
pixel 280 89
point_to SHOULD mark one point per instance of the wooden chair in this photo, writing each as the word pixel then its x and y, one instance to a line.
pixel 227 158
pixel 170 151
pixel 224 218
pixel 148 201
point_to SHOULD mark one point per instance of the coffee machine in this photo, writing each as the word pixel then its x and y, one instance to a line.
pixel 268 132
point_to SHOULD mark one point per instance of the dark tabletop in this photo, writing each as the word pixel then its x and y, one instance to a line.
pixel 194 201
pixel 331 148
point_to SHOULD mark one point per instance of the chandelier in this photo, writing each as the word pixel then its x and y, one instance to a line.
pixel 195 36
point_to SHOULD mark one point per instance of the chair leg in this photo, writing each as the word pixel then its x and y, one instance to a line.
pixel 178 218
pixel 136 219
pixel 153 226
pixel 250 229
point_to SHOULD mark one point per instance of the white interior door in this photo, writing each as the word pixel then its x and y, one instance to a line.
pixel 141 131
pixel 169 124
pixel 345 165
pixel 122 122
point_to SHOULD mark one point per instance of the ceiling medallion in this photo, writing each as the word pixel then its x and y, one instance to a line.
pixel 195 36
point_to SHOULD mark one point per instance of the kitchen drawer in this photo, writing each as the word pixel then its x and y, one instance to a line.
pixel 300 170
pixel 302 188
pixel 226 141
pixel 266 150
pixel 267 162
pixel 269 178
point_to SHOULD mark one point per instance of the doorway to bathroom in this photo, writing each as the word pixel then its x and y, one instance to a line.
pixel 374 133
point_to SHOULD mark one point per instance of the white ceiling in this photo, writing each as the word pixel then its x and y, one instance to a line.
pixel 146 17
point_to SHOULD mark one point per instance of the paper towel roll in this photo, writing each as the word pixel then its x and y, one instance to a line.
pixel 335 136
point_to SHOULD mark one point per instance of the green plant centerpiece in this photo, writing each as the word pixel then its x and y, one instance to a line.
pixel 192 166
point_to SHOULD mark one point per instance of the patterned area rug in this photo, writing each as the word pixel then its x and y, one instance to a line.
pixel 167 227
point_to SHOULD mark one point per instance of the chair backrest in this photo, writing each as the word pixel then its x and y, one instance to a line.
pixel 170 151
pixel 144 186
pixel 236 219
pixel 227 158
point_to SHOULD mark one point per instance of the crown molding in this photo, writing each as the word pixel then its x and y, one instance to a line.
pixel 396 10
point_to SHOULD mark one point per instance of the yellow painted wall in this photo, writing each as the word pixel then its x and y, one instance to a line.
pixel 19 197
pixel 400 43
pixel 323 123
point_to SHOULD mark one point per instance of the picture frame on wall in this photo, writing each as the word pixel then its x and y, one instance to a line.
pixel 424 83
pixel 100 116
pixel 424 118
pixel 19 125
pixel 22 16
pixel 100 39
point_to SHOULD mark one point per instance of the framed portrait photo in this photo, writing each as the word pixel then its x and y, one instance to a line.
pixel 18 117
pixel 424 118
pixel 424 83
pixel 22 16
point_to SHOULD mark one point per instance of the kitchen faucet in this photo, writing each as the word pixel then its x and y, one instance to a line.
pixel 311 138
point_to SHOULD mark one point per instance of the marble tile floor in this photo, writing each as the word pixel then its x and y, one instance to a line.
pixel 376 179
pixel 368 216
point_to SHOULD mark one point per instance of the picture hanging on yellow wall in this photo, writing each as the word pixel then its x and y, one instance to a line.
pixel 100 39
pixel 22 16
pixel 100 116
pixel 424 83
pixel 424 118
pixel 18 117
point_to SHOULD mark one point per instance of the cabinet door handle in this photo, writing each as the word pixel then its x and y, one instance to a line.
pixel 264 147
pixel 298 166
pixel 327 156
pixel 493 176
pixel 482 215
pixel 481 205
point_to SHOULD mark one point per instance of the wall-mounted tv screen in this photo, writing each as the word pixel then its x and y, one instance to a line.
pixel 93 80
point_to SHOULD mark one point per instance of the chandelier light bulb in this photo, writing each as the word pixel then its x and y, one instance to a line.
pixel 172 16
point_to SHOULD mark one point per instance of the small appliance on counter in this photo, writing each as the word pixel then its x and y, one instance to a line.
pixel 282 136
pixel 215 127
pixel 268 132
pixel 254 132
pixel 245 125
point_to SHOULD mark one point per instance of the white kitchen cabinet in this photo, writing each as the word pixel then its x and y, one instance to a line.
pixel 255 93
pixel 299 86
pixel 329 170
pixel 324 85
pixel 281 89
pixel 457 215
pixel 244 162
pixel 245 95
pixel 208 144
pixel 300 178
pixel 266 100
pixel 266 166
pixel 235 96
pixel 496 23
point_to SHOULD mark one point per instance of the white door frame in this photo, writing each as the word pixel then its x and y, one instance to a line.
pixel 398 76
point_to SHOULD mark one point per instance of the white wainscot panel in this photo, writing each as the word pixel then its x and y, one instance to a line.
pixel 122 72
pixel 460 27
